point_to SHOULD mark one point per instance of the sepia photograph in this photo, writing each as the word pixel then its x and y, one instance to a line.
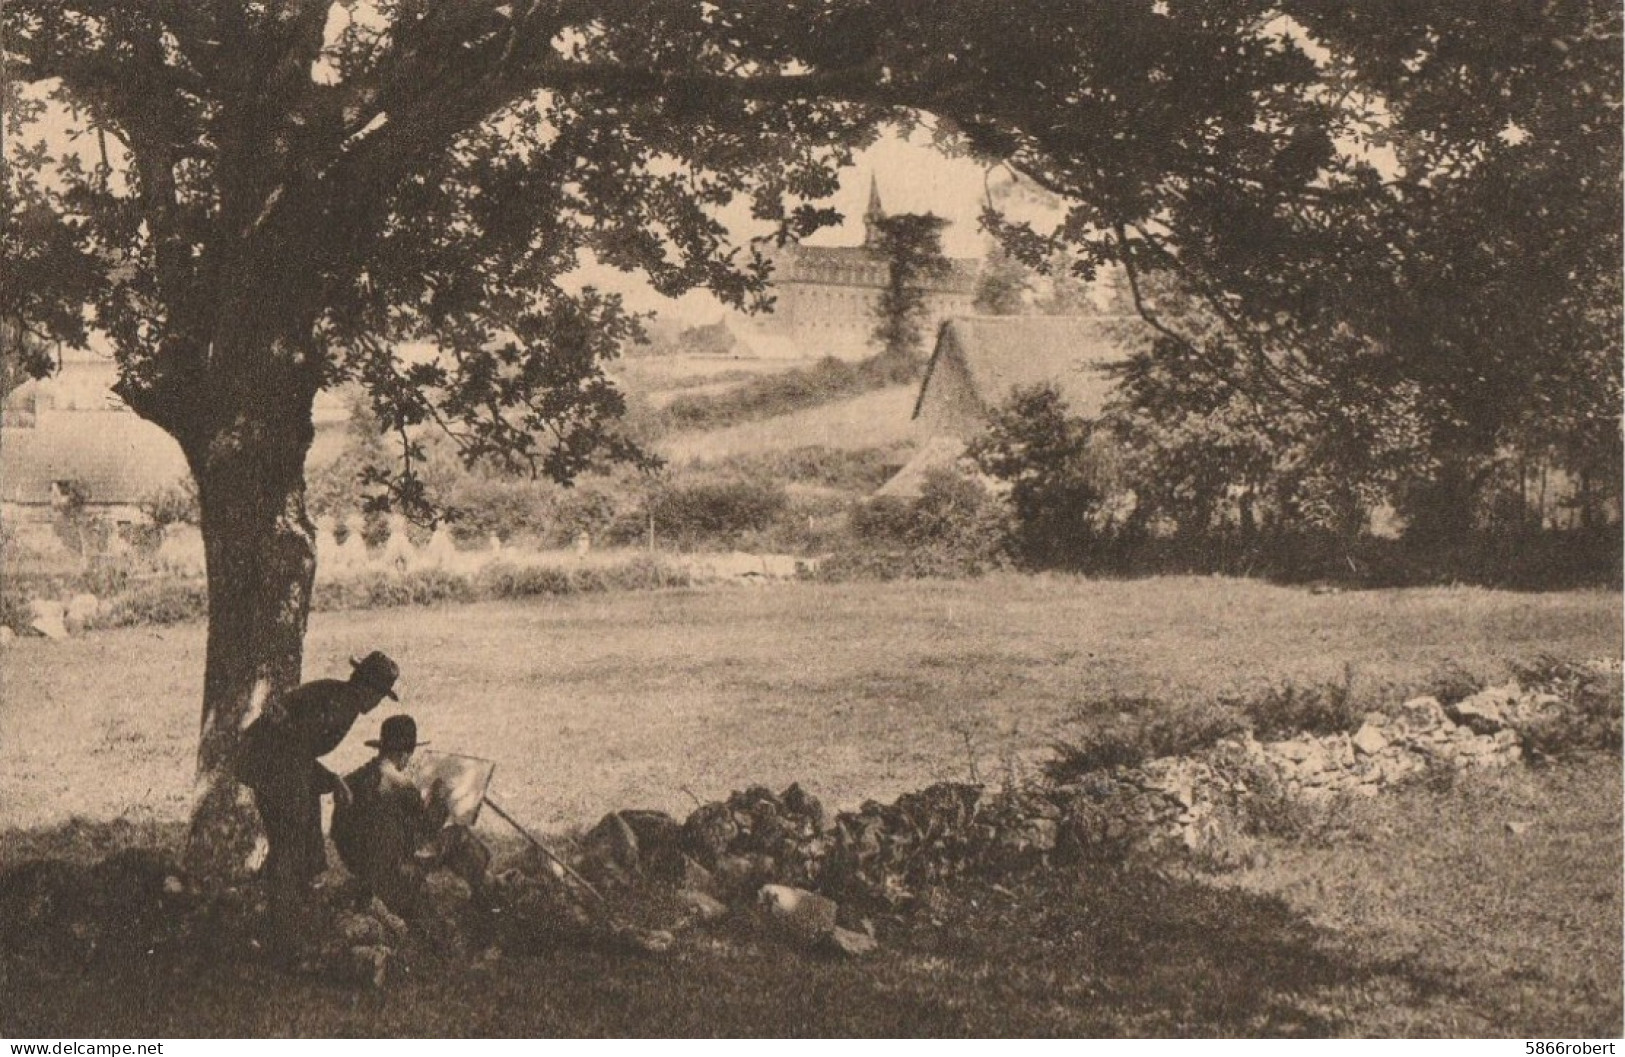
pixel 802 519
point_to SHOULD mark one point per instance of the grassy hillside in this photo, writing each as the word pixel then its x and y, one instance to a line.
pixel 873 420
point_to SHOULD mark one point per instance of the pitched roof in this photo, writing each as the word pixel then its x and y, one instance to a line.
pixel 937 453
pixel 1002 353
pixel 118 457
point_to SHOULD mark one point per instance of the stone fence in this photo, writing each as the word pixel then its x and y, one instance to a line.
pixel 887 853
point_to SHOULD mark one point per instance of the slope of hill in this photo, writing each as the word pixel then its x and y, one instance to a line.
pixel 872 420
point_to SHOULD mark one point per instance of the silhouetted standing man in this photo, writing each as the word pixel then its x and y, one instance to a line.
pixel 279 761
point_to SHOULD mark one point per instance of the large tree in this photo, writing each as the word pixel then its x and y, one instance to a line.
pixel 257 199
pixel 1419 232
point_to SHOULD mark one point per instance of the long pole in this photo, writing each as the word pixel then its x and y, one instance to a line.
pixel 539 846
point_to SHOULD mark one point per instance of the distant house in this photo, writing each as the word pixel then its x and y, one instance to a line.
pixel 68 433
pixel 979 361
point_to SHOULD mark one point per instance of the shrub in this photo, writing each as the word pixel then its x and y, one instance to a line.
pixel 780 394
pixel 505 509
pixel 378 590
pixel 645 573
pixel 1128 731
pixel 1591 714
pixel 1287 711
pixel 1452 683
pixel 955 528
pixel 160 602
pixel 1058 473
pixel 500 580
pixel 174 504
pixel 851 470
pixel 611 509
pixel 14 611
pixel 717 510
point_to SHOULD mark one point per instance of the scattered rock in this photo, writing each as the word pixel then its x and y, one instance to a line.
pixel 1369 740
pixel 370 964
pixel 850 943
pixel 1486 711
pixel 48 617
pixel 1293 750
pixel 708 833
pixel 1518 829
pixel 806 914
pixel 694 877
pixel 612 842
pixel 702 906
pixel 646 941
pixel 1422 713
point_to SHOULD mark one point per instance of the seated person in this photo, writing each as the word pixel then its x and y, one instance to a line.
pixel 391 833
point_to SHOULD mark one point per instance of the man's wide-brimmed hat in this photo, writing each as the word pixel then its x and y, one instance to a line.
pixel 398 734
pixel 377 671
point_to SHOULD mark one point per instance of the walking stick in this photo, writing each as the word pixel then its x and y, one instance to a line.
pixel 539 846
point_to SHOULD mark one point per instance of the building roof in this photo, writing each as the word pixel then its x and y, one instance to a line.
pixel 937 453
pixel 119 458
pixel 999 354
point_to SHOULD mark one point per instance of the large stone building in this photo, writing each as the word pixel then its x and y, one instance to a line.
pixel 825 296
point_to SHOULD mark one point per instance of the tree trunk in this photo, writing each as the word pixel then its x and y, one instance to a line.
pixel 261 560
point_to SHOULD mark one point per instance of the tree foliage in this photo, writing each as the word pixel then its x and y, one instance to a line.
pixel 1003 286
pixel 1412 242
pixel 257 201
pixel 1057 476
pixel 911 245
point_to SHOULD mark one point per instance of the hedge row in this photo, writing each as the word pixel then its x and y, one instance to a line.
pixel 174 601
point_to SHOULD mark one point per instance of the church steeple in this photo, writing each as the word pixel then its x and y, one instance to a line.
pixel 873 213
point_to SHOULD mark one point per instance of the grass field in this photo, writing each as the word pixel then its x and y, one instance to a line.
pixel 1418 914
pixel 859 691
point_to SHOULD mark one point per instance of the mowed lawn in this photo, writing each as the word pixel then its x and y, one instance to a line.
pixel 858 691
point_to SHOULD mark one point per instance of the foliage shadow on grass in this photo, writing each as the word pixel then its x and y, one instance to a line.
pixel 1091 951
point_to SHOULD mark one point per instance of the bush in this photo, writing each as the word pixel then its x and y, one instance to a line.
pixel 174 504
pixel 1590 718
pixel 378 590
pixel 1059 475
pixel 780 394
pixel 955 528
pixel 14 611
pixel 1287 711
pixel 1451 683
pixel 1128 731
pixel 850 470
pixel 717 510
pixel 160 602
pixel 504 509
pixel 500 580
pixel 645 573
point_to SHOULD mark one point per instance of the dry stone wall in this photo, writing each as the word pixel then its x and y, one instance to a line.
pixel 886 854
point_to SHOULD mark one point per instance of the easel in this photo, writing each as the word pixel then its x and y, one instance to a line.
pixel 544 849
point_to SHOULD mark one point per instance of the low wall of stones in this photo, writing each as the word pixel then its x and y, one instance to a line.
pixel 888 853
